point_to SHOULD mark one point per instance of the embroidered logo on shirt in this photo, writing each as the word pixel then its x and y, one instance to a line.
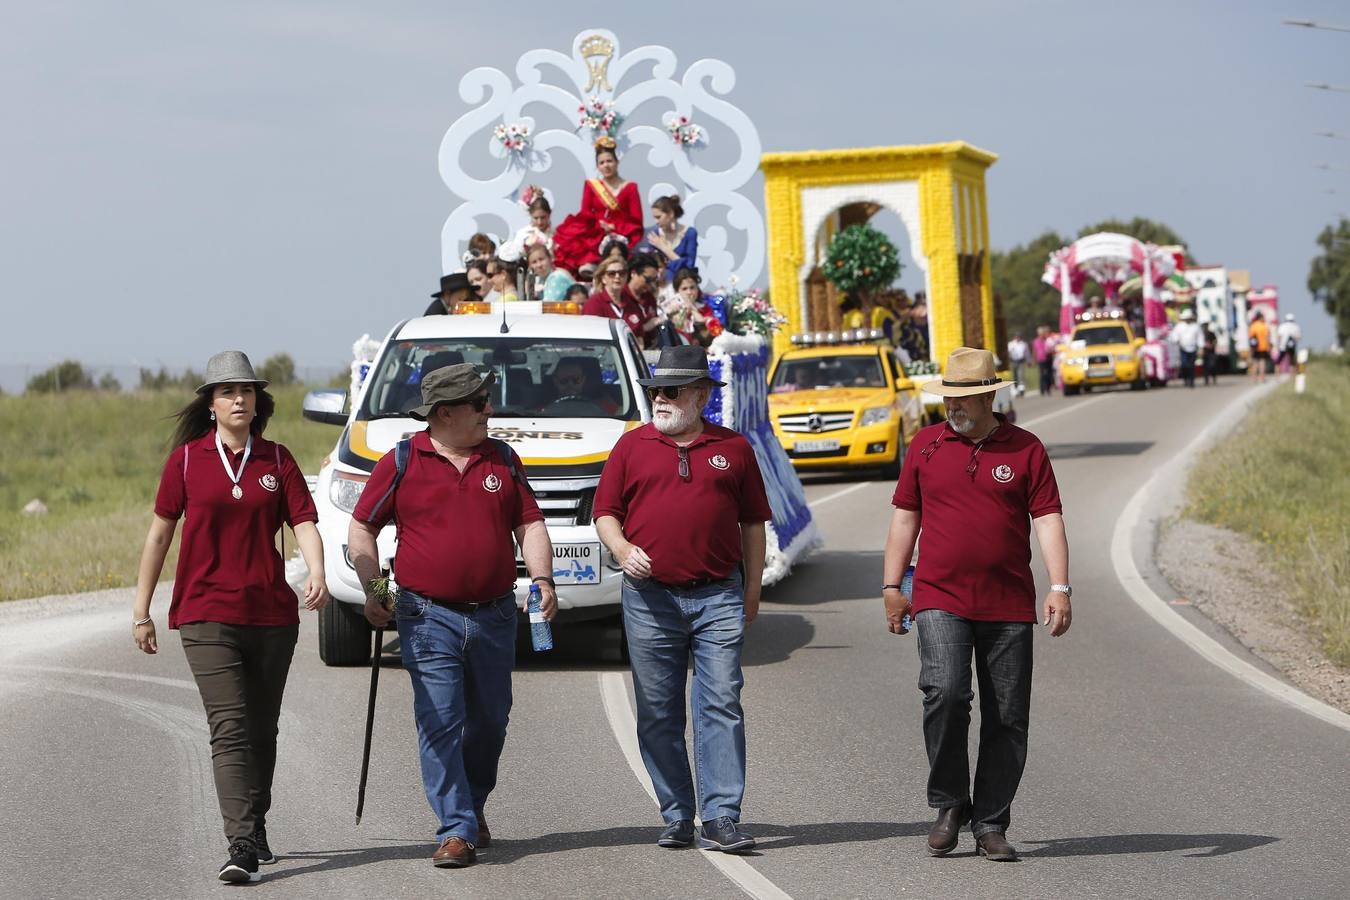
pixel 268 481
pixel 719 462
pixel 492 484
pixel 1003 474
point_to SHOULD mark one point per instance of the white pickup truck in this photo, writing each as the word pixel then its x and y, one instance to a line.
pixel 563 437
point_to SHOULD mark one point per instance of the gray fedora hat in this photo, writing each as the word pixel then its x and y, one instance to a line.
pixel 678 365
pixel 230 367
pixel 448 384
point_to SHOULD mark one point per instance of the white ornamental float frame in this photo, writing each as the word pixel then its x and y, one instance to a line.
pixel 597 69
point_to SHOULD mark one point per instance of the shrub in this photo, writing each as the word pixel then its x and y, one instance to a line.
pixel 67 375
pixel 279 369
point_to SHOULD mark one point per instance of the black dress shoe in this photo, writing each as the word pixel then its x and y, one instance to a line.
pixel 725 835
pixel 677 834
pixel 945 833
pixel 994 846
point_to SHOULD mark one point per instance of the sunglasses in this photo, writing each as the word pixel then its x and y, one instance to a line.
pixel 614 273
pixel 479 402
pixel 684 462
pixel 670 393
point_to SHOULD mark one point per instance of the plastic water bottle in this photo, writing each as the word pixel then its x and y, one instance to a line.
pixel 541 634
pixel 907 588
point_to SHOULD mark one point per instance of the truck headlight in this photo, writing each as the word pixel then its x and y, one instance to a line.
pixel 345 489
pixel 1074 361
pixel 875 414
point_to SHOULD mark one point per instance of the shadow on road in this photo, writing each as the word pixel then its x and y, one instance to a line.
pixel 829 575
pixel 774 636
pixel 1112 844
pixel 1083 451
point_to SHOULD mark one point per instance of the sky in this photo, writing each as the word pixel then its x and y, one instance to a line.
pixel 179 178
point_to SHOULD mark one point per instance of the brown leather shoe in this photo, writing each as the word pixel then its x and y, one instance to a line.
pixel 944 834
pixel 454 853
pixel 484 835
pixel 994 846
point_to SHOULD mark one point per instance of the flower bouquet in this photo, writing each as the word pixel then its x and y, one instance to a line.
pixel 751 313
pixel 684 132
pixel 600 117
pixel 514 138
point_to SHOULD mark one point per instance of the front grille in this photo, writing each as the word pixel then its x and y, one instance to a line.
pixel 817 422
pixel 818 454
pixel 565 501
pixel 1103 359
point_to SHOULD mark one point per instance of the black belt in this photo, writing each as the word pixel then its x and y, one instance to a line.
pixel 467 609
pixel 692 585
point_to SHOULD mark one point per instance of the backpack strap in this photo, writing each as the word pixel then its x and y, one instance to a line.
pixel 509 460
pixel 402 452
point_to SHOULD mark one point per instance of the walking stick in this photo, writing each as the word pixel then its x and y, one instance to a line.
pixel 370 721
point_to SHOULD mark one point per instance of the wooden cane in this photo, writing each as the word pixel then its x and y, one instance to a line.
pixel 370 721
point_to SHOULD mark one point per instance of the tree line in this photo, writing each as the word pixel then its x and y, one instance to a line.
pixel 71 375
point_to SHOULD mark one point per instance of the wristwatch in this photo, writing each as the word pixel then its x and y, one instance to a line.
pixel 1064 589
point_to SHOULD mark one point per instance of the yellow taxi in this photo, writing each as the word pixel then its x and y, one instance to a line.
pixel 842 407
pixel 1102 350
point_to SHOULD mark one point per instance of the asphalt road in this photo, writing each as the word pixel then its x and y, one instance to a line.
pixel 1152 773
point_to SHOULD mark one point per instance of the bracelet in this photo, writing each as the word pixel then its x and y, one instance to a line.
pixel 889 587
pixel 544 578
pixel 138 622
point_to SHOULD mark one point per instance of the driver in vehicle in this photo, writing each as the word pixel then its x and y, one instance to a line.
pixel 572 385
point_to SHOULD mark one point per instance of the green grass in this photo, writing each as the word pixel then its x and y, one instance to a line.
pixel 1283 478
pixel 94 459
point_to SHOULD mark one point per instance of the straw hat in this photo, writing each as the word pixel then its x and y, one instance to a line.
pixel 968 371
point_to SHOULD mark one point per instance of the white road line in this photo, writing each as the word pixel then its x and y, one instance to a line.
pixel 1127 573
pixel 619 714
pixel 837 494
pixel 1073 407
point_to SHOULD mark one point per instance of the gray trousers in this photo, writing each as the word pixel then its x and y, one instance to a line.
pixel 241 674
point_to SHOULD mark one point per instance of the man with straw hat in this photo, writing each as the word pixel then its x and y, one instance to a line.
pixel 973 491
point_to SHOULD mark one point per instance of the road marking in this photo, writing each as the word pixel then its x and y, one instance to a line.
pixel 183 683
pixel 1127 573
pixel 837 494
pixel 619 714
pixel 1074 407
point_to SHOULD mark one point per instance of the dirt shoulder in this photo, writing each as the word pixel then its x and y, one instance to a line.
pixel 1225 576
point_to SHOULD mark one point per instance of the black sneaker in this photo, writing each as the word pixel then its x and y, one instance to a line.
pixel 242 866
pixel 265 855
pixel 725 835
pixel 677 834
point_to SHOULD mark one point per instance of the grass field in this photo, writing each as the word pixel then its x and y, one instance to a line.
pixel 94 459
pixel 1283 478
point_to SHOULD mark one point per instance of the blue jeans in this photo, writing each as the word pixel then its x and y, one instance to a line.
pixel 665 625
pixel 1002 652
pixel 460 665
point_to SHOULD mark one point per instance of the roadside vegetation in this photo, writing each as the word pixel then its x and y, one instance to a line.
pixel 1283 478
pixel 93 458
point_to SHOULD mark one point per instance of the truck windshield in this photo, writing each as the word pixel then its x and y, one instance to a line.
pixel 1110 334
pixel 536 378
pixel 820 372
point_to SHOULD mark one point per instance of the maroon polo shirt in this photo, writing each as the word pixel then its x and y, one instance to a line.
pixel 689 528
pixel 598 304
pixel 975 512
pixel 229 569
pixel 455 539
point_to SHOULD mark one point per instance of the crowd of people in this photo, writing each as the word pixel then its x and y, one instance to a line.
pixel 601 257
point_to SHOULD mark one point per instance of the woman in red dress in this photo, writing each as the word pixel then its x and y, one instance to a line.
pixel 609 205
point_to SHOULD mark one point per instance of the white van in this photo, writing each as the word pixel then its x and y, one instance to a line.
pixel 562 437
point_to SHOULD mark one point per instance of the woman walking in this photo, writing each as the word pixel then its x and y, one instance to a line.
pixel 231 604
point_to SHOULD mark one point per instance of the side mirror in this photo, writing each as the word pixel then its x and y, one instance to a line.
pixel 1139 342
pixel 326 405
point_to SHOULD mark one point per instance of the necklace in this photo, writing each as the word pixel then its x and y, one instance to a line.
pixel 236 492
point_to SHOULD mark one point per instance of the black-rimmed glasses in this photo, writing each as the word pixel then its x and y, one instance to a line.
pixel 684 462
pixel 670 392
pixel 479 402
pixel 614 273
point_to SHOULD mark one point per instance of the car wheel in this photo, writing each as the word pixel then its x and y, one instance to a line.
pixel 344 635
pixel 1138 384
pixel 891 470
pixel 1071 390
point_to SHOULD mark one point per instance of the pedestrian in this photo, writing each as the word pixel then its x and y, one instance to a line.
pixel 235 613
pixel 1017 357
pixel 455 287
pixel 972 494
pixel 1190 340
pixel 461 500
pixel 1258 340
pixel 681 505
pixel 1211 359
pixel 1287 338
pixel 1044 350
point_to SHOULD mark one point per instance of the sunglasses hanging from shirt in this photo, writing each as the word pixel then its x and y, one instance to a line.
pixel 236 492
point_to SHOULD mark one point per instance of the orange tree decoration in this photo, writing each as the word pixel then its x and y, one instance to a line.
pixel 861 261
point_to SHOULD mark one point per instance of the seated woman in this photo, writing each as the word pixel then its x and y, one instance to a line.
pixel 611 301
pixel 540 229
pixel 677 244
pixel 478 277
pixel 688 310
pixel 609 205
pixel 480 247
pixel 544 281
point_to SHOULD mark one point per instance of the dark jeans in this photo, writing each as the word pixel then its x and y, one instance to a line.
pixel 1209 363
pixel 241 674
pixel 1002 652
pixel 1047 376
pixel 1188 368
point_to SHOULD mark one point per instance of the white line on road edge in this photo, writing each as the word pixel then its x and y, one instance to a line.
pixel 1074 407
pixel 619 713
pixel 1122 559
pixel 837 494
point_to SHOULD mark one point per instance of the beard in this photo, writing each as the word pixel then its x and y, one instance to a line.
pixel 961 422
pixel 673 420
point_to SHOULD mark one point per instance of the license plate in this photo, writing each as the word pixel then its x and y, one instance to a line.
pixel 576 563
pixel 1101 373
pixel 815 446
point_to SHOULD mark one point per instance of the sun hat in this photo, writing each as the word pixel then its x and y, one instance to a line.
pixel 968 371
pixel 229 367
pixel 448 384
pixel 680 365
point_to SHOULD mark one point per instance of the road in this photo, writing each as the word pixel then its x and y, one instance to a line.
pixel 1152 772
